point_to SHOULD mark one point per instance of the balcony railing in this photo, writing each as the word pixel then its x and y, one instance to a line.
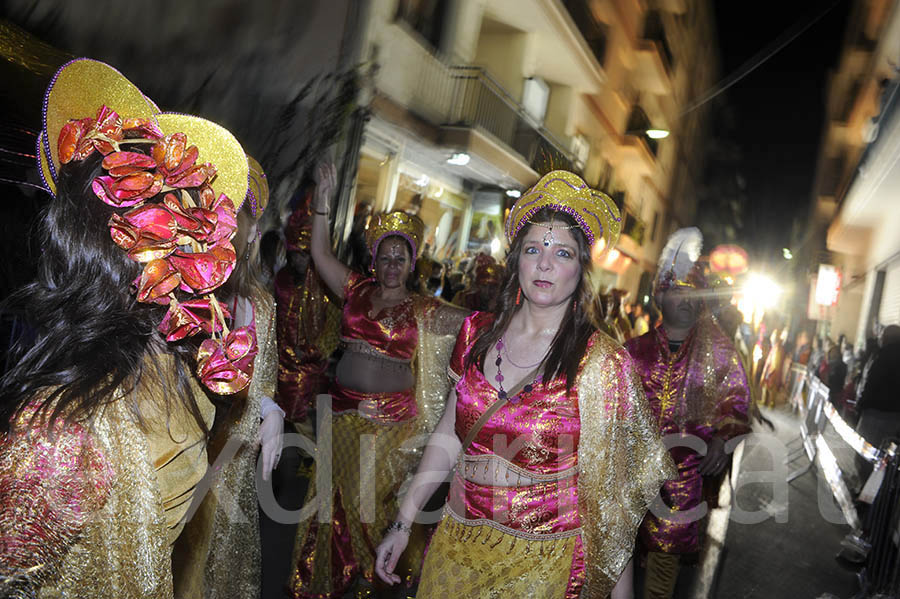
pixel 467 96
pixel 480 101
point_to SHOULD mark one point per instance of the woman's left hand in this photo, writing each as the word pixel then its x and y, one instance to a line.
pixel 271 437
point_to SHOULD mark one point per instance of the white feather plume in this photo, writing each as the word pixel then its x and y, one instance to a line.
pixel 681 252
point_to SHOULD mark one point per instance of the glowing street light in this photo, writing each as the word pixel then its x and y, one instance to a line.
pixel 459 159
pixel 760 293
pixel 786 252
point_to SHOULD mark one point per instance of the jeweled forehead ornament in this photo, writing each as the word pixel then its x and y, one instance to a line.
pixel 549 238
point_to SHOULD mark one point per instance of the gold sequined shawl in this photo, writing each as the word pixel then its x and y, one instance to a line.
pixel 438 325
pixel 622 462
pixel 218 554
pixel 81 506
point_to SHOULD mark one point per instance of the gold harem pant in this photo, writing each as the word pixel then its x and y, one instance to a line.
pixel 330 556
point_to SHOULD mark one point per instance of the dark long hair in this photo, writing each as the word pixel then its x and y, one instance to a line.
pixel 577 326
pixel 91 335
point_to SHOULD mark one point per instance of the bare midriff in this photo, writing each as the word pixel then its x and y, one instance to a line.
pixel 364 369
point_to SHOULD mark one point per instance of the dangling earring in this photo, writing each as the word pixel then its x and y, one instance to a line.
pixel 519 296
pixel 574 305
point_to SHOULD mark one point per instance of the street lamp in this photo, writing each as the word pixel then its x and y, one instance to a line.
pixel 650 132
pixel 459 159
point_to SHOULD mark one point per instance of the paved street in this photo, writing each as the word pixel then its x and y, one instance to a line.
pixel 793 558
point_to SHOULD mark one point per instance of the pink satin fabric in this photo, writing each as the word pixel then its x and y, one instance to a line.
pixel 386 408
pixel 392 332
pixel 669 383
pixel 546 508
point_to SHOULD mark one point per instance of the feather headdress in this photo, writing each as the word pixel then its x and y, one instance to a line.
pixel 677 260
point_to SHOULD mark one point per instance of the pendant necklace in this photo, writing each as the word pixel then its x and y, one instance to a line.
pixel 502 394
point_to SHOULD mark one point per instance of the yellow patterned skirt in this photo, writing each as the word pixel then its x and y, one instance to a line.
pixel 478 561
pixel 330 556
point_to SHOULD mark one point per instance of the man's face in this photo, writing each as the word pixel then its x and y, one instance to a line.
pixel 299 262
pixel 680 307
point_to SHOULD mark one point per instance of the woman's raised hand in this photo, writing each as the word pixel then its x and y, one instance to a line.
pixel 326 180
pixel 388 554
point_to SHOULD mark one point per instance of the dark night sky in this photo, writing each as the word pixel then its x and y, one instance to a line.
pixel 778 109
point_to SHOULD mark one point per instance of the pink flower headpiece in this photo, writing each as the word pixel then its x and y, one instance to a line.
pixel 182 240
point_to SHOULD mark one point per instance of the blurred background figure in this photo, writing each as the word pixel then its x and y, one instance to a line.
pixel 772 377
pixel 483 290
pixel 615 315
pixel 307 320
pixel 641 321
pixel 879 405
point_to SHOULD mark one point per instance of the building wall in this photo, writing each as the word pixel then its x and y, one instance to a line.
pixel 591 96
pixel 855 213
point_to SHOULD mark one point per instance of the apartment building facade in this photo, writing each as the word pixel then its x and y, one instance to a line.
pixel 855 213
pixel 472 100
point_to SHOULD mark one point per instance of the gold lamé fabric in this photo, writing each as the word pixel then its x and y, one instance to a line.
pixel 218 555
pixel 330 555
pixel 622 462
pixel 82 506
pixel 480 562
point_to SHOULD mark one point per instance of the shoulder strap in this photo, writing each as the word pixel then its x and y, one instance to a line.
pixel 494 408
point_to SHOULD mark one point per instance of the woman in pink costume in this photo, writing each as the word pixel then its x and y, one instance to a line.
pixel 391 386
pixel 556 457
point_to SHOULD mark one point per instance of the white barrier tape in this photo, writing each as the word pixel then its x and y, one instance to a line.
pixel 850 436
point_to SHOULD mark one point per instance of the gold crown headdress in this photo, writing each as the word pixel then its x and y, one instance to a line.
pixel 408 226
pixel 182 240
pixel 594 212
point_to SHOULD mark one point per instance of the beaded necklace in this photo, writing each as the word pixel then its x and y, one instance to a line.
pixel 502 394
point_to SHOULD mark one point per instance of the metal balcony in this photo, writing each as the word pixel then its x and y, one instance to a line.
pixel 479 101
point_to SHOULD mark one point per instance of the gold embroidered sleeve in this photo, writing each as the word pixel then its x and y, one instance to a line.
pixel 51 484
pixel 266 364
pixel 622 462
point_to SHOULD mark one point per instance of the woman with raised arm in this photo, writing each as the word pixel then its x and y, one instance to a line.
pixel 103 425
pixel 556 457
pixel 390 386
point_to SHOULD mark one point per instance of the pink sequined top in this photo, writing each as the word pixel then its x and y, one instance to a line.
pixel 539 432
pixel 391 333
